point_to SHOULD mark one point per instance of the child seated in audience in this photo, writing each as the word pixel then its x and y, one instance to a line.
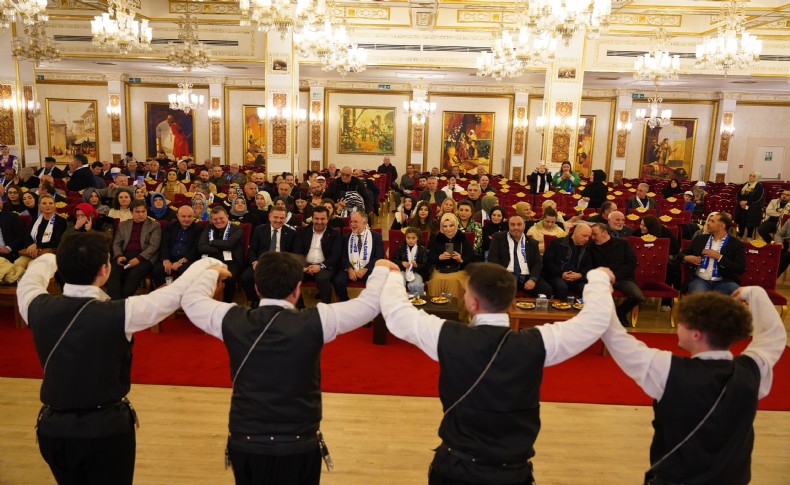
pixel 412 258
pixel 688 198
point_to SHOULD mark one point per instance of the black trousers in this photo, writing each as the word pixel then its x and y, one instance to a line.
pixel 766 229
pixel 340 282
pixel 436 479
pixel 323 280
pixel 90 461
pixel 248 285
pixel 561 288
pixel 159 273
pixel 230 283
pixel 251 469
pixel 541 287
pixel 123 283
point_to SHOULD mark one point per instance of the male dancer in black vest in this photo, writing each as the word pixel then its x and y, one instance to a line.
pixel 84 342
pixel 686 389
pixel 490 426
pixel 275 353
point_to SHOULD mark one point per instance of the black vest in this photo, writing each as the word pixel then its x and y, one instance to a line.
pixel 499 421
pixel 720 452
pixel 278 392
pixel 90 368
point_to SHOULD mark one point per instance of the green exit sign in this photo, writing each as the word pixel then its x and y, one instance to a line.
pixel 637 95
pixel 385 87
pixel 134 80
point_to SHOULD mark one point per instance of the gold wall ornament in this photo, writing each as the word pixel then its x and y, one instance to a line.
pixel 517 174
pixel 7 126
pixel 520 124
pixel 417 135
pixel 316 119
pixel 30 118
pixel 727 132
pixel 214 116
pixel 116 158
pixel 114 112
pixel 623 121
pixel 279 125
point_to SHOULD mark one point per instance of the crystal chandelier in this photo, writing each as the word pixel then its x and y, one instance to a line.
pixel 512 59
pixel 727 51
pixel 658 117
pixel 29 12
pixel 279 15
pixel 185 100
pixel 658 65
pixel 565 17
pixel 191 53
pixel 36 46
pixel 346 58
pixel 118 29
pixel 333 47
pixel 419 108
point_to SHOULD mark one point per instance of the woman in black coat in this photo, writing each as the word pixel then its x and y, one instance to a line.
pixel 596 191
pixel 749 211
pixel 496 223
pixel 448 267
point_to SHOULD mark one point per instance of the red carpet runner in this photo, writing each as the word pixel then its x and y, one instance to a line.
pixel 182 355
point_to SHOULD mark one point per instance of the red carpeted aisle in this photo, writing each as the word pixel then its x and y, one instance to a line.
pixel 182 355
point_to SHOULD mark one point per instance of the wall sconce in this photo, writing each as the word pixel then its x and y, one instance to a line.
pixel 32 107
pixel 624 127
pixel 316 117
pixel 279 116
pixel 565 125
pixel 520 123
pixel 214 115
pixel 300 116
pixel 114 106
pixel 728 125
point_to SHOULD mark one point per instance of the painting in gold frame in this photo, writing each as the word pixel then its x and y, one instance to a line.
pixel 585 139
pixel 254 135
pixel 72 128
pixel 467 140
pixel 668 151
pixel 366 130
pixel 170 130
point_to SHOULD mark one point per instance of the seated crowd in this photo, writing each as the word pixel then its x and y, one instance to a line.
pixel 164 216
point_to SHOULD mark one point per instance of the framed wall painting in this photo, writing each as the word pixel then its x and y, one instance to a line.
pixel 668 151
pixel 72 129
pixel 467 140
pixel 584 147
pixel 366 130
pixel 254 135
pixel 168 129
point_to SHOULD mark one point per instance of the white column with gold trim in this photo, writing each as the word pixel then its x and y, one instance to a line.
pixel 624 125
pixel 520 129
pixel 282 88
pixel 725 130
pixel 315 130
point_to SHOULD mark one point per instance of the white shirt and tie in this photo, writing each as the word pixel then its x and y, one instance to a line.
pixel 515 250
pixel 274 245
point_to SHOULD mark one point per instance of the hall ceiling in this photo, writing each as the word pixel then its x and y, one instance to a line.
pixel 439 38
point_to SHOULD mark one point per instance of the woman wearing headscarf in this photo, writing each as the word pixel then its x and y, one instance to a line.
pixel 352 202
pixel 749 211
pixel 240 214
pixel 262 203
pixel 91 196
pixel 496 223
pixel 487 203
pixel 158 210
pixel 595 192
pixel 83 219
pixel 404 213
pixel 672 190
pixel 200 207
pixel 233 191
pixel 449 254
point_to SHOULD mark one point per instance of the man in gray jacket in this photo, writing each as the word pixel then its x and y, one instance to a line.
pixel 134 251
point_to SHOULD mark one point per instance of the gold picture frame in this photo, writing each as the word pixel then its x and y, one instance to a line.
pixel 254 140
pixel 366 130
pixel 585 143
pixel 182 130
pixel 668 151
pixel 72 128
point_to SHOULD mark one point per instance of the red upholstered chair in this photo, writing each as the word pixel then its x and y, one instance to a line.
pixel 672 203
pixel 547 238
pixel 643 212
pixel 470 236
pixel 396 237
pixel 762 264
pixel 652 257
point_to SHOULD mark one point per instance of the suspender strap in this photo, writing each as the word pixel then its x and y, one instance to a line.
pixel 254 344
pixel 482 374
pixel 68 327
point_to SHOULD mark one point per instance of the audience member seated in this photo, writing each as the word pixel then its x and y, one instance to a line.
pixel 46 231
pixel 200 207
pixel 423 220
pixel 155 172
pixel 263 202
pixel 547 225
pixel 321 246
pixel 699 199
pixel 12 240
pixel 565 181
pixel 774 212
pixel 448 206
pixel 641 200
pixel 466 223
pixel 567 261
pixel 520 255
pixel 81 176
pixel 617 227
pixel 134 170
pixel 98 177
pixel 404 213
pixel 673 189
pixel 233 176
pixel 182 172
pixel 162 160
pixel 449 253
pixel 603 216
pixel 475 196
pixel 204 183
pixel 140 192
pixel 171 186
pixel 13 199
pixel 452 187
pixel 596 191
pixel 27 178
pixel 30 201
pixel 179 248
pixel 432 194
pixel 46 187
pixel 485 185
pixel 302 206
pixel 9 177
pixel 121 206
pixel 524 210
pixel 135 248
pixel 239 213
pixel 388 168
pixel 617 255
pixel 84 219
pixel 412 257
pixel 224 241
pixel 159 210
pixel 274 236
pixel 92 197
pixel 361 249
pixel 218 178
pixel 405 186
pixel 338 188
pixel 50 169
pixel 496 223
pixel 335 221
pixel 719 258
pixel 250 191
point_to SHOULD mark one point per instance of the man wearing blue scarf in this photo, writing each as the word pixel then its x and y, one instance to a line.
pixel 719 258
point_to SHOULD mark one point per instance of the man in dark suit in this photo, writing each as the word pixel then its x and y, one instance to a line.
pixel 527 264
pixel 134 252
pixel 50 168
pixel 179 247
pixel 321 246
pixel 720 260
pixel 617 255
pixel 224 241
pixel 81 175
pixel 432 193
pixel 361 249
pixel 274 236
pixel 348 183
pixel 12 238
pixel 567 261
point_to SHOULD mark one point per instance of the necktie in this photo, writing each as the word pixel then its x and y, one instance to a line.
pixel 273 244
pixel 359 244
pixel 516 264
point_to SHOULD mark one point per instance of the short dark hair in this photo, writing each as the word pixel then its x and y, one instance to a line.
pixel 467 203
pixel 49 159
pixel 217 209
pixel 601 226
pixel 652 225
pixel 321 208
pixel 278 208
pixel 129 154
pixel 549 212
pixel 723 320
pixel 137 203
pixel 277 274
pixel 81 255
pixel 493 284
pixel 81 158
pixel 726 218
pixel 607 205
pixel 97 164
